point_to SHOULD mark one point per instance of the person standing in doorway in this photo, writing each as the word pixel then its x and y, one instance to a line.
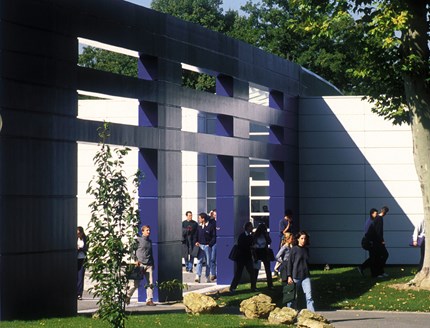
pixel 82 254
pixel 189 238
pixel 144 260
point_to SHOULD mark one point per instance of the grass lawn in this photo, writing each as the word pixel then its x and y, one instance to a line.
pixel 338 288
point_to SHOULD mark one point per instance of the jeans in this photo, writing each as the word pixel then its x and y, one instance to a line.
pixel 306 286
pixel 213 260
pixel 204 255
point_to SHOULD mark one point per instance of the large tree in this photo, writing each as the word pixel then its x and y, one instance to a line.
pixel 395 70
pixel 392 70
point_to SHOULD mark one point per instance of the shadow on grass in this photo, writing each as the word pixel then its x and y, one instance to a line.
pixel 331 288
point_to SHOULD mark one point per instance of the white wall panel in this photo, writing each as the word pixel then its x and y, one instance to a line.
pixel 356 160
pixel 331 172
pixel 326 189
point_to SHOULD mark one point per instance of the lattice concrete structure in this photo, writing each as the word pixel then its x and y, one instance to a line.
pixel 38 151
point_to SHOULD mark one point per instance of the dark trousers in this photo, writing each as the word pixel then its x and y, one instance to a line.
pixel 249 265
pixel 370 263
pixel 423 246
pixel 268 273
pixel 380 258
pixel 81 276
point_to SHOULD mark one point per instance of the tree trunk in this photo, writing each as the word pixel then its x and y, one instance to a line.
pixel 418 100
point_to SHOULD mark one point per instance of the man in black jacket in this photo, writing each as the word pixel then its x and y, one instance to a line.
pixel 376 235
pixel 206 238
pixel 244 258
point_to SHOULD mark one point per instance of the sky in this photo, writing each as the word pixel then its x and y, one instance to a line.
pixel 227 4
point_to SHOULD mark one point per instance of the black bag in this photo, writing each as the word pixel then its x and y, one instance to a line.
pixel 234 253
pixel 288 293
pixel 195 252
pixel 136 273
pixel 366 244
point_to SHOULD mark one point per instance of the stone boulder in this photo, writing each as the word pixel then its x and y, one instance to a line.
pixel 285 316
pixel 308 319
pixel 196 303
pixel 258 306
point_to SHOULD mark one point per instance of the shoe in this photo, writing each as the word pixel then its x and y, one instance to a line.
pixel 380 276
pixel 150 303
pixel 385 274
pixel 197 279
pixel 208 279
pixel 232 291
pixel 213 278
pixel 360 270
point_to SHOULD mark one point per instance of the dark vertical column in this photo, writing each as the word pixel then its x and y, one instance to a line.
pixel 232 181
pixel 160 192
pixel 283 176
pixel 276 173
pixel 38 176
pixel 277 199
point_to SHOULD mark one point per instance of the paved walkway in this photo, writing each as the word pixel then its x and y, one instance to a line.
pixel 339 318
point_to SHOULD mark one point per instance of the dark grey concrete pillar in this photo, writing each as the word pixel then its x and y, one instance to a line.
pixel 38 176
pixel 160 191
pixel 232 182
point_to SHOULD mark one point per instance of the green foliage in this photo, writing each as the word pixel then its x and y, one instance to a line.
pixel 171 285
pixel 108 61
pixel 319 35
pixel 206 13
pixel 113 227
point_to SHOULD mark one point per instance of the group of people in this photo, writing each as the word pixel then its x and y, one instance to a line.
pixel 254 249
pixel 144 261
pixel 293 257
pixel 199 241
pixel 374 236
pixel 375 243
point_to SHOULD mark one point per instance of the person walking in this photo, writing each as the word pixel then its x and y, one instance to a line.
pixel 375 234
pixel 244 258
pixel 189 238
pixel 261 245
pixel 298 269
pixel 283 255
pixel 370 261
pixel 144 260
pixel 81 255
